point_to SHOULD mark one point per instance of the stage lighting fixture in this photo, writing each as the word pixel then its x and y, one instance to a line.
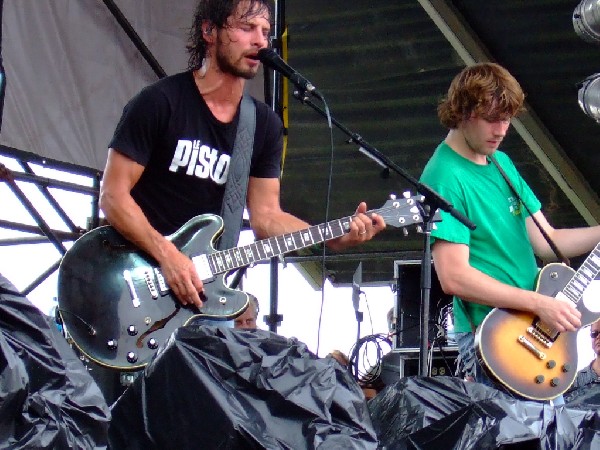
pixel 586 20
pixel 589 96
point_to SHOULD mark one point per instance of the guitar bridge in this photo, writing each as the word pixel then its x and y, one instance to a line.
pixel 150 284
pixel 539 337
pixel 131 286
pixel 162 284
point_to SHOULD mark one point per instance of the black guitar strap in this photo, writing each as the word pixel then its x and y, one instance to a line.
pixel 553 246
pixel 234 199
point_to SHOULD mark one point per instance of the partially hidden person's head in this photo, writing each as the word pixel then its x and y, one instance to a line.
pixel 595 335
pixel 222 23
pixel 247 320
pixel 390 319
pixel 485 90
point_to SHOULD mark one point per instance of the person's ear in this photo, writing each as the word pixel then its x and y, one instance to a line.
pixel 208 30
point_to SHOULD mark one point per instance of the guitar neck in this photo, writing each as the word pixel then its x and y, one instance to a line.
pixel 587 273
pixel 234 258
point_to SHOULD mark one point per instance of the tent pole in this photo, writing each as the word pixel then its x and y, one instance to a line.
pixel 135 38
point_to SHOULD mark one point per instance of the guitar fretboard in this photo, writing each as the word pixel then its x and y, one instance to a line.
pixel 584 276
pixel 226 260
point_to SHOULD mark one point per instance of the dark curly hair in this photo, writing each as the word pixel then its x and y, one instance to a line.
pixel 216 12
pixel 487 89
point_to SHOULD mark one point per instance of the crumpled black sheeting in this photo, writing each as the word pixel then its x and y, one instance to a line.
pixel 215 388
pixel 449 413
pixel 48 400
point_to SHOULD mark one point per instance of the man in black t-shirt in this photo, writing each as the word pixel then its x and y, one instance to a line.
pixel 169 158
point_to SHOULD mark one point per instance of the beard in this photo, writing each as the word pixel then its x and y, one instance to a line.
pixel 226 65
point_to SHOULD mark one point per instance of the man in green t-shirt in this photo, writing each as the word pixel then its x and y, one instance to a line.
pixel 493 265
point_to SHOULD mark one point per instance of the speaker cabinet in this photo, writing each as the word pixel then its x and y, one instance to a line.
pixel 407 310
pixel 404 362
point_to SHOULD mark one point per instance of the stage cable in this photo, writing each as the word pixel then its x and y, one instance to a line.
pixel 283 45
pixel 369 311
pixel 365 370
pixel 327 205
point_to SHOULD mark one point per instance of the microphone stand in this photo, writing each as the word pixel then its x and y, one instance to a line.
pixel 359 319
pixel 432 202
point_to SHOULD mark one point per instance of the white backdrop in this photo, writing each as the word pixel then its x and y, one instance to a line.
pixel 70 69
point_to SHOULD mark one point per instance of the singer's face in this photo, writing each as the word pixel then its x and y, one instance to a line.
pixel 240 41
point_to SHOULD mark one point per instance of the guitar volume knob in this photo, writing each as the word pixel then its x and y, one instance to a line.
pixel 566 368
pixel 132 330
pixel 131 357
pixel 539 379
pixel 554 382
pixel 551 364
pixel 112 344
pixel 152 344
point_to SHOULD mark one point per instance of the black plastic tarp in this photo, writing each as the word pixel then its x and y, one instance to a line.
pixel 449 413
pixel 48 400
pixel 216 388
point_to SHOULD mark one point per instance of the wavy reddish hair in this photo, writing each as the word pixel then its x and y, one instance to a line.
pixel 487 90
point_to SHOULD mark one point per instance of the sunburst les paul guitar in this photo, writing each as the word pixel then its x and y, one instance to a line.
pixel 118 309
pixel 527 356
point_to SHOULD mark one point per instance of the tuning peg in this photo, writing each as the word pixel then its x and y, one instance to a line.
pixel 406 194
pixel 434 226
pixel 419 229
pixel 405 232
pixel 392 196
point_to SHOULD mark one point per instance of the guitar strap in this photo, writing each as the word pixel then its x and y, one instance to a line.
pixel 234 199
pixel 553 246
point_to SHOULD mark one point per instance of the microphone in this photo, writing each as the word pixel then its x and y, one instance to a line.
pixel 271 59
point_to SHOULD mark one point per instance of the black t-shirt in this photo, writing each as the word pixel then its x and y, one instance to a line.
pixel 185 150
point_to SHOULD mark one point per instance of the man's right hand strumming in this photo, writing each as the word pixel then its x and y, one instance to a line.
pixel 559 314
pixel 181 276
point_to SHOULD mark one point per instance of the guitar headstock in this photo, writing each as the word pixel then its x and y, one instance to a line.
pixel 405 211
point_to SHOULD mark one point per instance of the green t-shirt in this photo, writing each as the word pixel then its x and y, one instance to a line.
pixel 499 246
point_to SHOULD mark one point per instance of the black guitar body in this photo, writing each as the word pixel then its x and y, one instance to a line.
pixel 100 311
pixel 117 308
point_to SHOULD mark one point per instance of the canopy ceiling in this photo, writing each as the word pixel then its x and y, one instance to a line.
pixel 382 67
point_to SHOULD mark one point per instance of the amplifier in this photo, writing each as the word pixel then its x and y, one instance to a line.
pixel 404 362
pixel 407 310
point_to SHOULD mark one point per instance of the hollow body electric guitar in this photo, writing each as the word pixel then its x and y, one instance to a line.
pixel 525 355
pixel 118 309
